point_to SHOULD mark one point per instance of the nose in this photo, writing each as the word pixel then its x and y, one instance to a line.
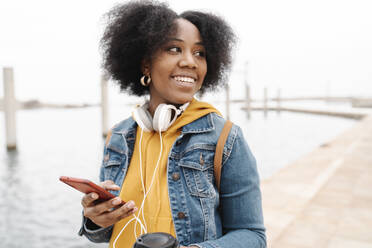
pixel 188 60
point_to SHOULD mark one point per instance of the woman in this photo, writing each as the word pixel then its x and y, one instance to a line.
pixel 160 161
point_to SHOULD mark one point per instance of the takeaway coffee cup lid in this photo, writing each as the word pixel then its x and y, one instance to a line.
pixel 156 240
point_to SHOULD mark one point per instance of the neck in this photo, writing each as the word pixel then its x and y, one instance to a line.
pixel 152 107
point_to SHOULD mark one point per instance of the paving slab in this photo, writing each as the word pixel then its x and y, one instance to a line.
pixel 324 199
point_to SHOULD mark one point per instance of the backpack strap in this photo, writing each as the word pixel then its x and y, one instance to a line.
pixel 108 137
pixel 219 152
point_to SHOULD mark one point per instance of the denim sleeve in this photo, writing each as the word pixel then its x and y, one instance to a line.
pixel 96 234
pixel 240 200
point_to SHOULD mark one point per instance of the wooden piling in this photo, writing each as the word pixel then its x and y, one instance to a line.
pixel 248 100
pixel 247 92
pixel 227 90
pixel 104 105
pixel 278 101
pixel 9 108
pixel 265 101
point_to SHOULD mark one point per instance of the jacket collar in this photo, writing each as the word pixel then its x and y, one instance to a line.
pixel 202 125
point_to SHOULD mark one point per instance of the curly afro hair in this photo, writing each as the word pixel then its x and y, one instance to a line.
pixel 135 30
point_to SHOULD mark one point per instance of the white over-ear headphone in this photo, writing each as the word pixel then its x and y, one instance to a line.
pixel 164 116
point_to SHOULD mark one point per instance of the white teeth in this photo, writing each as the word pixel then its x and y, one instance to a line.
pixel 185 79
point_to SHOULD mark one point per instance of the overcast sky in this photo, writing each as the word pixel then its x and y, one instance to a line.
pixel 304 47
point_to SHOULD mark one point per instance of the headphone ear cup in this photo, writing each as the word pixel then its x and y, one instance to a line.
pixel 143 118
pixel 163 117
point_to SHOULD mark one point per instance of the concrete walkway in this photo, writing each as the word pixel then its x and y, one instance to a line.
pixel 324 199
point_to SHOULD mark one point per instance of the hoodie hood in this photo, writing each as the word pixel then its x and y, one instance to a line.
pixel 194 111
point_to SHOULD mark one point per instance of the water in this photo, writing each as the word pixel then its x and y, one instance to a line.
pixel 39 211
pixel 36 209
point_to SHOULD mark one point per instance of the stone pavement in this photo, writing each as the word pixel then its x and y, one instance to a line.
pixel 324 199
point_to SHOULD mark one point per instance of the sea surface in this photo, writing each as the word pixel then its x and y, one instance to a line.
pixel 37 210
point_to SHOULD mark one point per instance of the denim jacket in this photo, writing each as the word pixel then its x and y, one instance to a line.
pixel 202 216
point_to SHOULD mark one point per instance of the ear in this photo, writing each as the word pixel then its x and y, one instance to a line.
pixel 145 67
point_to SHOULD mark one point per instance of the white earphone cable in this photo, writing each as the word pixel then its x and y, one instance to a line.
pixel 121 231
pixel 137 218
pixel 152 181
pixel 143 187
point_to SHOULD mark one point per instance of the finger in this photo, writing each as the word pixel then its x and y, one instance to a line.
pixel 109 185
pixel 99 209
pixel 106 182
pixel 88 199
pixel 125 210
pixel 111 217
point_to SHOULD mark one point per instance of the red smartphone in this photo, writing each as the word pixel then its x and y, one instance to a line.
pixel 86 186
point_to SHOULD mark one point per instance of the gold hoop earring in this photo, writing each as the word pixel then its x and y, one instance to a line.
pixel 148 80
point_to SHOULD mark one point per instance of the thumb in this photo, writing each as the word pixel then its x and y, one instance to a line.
pixel 109 185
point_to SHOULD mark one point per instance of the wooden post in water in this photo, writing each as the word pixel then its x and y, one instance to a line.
pixel 248 100
pixel 247 92
pixel 227 101
pixel 265 101
pixel 9 108
pixel 278 105
pixel 104 105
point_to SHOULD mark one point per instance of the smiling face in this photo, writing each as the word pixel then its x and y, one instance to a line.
pixel 178 68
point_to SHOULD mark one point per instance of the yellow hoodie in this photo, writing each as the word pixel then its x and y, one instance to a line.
pixel 156 209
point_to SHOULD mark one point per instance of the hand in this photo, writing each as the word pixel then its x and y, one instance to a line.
pixel 106 213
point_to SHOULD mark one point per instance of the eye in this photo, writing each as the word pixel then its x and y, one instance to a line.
pixel 174 49
pixel 200 53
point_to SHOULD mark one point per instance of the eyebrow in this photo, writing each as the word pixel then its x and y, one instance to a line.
pixel 176 39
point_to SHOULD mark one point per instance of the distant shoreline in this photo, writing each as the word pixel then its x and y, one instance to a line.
pixel 36 104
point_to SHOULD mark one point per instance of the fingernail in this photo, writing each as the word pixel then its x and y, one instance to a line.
pixel 116 201
pixel 94 196
pixel 130 204
pixel 134 209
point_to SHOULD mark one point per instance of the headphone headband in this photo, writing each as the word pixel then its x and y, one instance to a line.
pixel 165 115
